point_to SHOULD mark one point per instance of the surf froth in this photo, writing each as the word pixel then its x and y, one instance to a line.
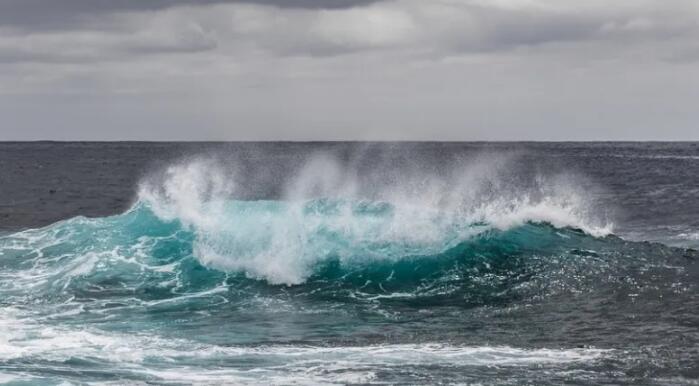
pixel 329 212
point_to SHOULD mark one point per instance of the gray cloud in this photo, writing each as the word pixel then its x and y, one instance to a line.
pixel 117 29
pixel 60 14
pixel 355 69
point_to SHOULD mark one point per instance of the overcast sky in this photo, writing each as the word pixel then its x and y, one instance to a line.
pixel 349 69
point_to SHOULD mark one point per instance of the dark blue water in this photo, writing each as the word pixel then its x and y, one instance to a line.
pixel 349 263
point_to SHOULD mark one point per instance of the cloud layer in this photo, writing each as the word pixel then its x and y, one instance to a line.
pixel 400 69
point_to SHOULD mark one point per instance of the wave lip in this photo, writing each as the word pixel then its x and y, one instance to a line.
pixel 283 242
pixel 330 211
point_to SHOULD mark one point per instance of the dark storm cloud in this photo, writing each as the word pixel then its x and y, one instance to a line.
pixel 55 14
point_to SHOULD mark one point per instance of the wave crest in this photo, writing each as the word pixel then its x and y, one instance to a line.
pixel 331 211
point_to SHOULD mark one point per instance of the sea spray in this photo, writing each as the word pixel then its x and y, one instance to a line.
pixel 328 212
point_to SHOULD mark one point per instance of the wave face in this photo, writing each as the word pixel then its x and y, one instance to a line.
pixel 272 241
pixel 340 281
pixel 328 215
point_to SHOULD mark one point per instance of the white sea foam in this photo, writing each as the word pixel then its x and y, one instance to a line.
pixel 282 241
pixel 693 236
pixel 24 337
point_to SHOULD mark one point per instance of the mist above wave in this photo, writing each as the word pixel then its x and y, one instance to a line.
pixel 333 208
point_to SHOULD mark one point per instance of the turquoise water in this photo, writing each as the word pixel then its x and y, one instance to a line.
pixel 345 295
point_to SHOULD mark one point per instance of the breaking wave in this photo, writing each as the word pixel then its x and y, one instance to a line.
pixel 328 220
pixel 328 214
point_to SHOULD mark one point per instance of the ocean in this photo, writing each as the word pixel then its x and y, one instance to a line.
pixel 349 263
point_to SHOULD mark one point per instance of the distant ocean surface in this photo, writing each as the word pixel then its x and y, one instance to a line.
pixel 349 263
